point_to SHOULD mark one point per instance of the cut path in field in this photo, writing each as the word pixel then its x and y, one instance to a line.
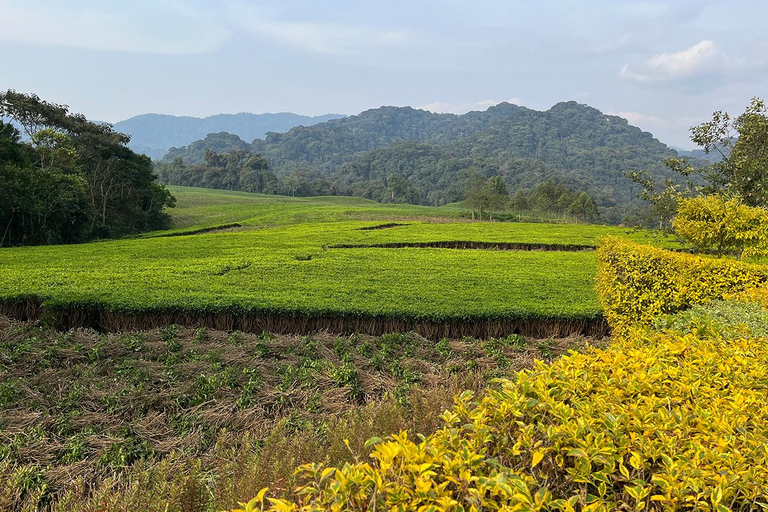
pixel 457 244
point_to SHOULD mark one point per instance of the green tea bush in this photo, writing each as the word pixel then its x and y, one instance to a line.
pixel 669 417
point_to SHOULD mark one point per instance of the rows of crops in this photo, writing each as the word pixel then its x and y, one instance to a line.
pixel 293 270
pixel 198 207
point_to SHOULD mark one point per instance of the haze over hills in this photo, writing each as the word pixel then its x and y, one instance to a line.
pixel 571 142
pixel 155 134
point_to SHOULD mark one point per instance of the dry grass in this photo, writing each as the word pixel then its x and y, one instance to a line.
pixel 194 419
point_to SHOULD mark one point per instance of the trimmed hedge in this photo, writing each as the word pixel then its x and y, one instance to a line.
pixel 637 283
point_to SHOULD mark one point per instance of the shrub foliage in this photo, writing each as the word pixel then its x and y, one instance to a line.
pixel 637 283
pixel 666 418
pixel 723 225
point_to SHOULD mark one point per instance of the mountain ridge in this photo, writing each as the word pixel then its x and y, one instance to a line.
pixel 154 134
pixel 435 153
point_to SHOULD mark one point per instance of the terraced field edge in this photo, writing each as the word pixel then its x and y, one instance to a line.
pixel 460 244
pixel 91 316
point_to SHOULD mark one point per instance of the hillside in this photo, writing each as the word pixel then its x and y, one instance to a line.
pixel 155 134
pixel 570 142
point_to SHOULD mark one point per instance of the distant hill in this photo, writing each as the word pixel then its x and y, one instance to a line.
pixel 712 156
pixel 570 142
pixel 155 134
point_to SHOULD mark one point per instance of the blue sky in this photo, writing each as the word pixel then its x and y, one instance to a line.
pixel 663 65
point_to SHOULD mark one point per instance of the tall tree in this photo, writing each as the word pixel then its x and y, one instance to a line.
pixel 742 169
pixel 80 180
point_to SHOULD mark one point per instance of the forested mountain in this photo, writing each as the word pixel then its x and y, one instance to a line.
pixel 712 156
pixel 430 156
pixel 155 134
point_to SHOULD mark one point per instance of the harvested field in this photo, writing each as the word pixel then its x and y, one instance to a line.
pixel 80 403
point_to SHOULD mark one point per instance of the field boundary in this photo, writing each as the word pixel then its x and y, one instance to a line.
pixel 65 318
pixel 388 225
pixel 461 244
pixel 200 231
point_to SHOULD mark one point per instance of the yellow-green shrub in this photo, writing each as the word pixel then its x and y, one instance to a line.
pixel 636 283
pixel 755 295
pixel 658 421
pixel 723 225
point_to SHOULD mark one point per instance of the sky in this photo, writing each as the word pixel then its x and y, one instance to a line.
pixel 664 66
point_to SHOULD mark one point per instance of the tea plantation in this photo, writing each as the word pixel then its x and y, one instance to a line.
pixel 297 265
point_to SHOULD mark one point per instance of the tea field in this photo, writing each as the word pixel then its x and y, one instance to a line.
pixel 285 261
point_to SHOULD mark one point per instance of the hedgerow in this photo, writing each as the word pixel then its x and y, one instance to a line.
pixel 667 418
pixel 637 283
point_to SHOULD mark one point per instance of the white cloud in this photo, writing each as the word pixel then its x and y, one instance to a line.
pixel 702 58
pixel 318 37
pixel 158 27
pixel 439 107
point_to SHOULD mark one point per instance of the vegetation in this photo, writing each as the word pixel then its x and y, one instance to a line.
pixel 665 418
pixel 739 169
pixel 554 197
pixel 288 277
pixel 432 156
pixel 486 196
pixel 71 180
pixel 193 417
pixel 279 278
pixel 723 226
pixel 230 170
pixel 638 283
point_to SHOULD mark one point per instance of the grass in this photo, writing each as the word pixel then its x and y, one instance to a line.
pixel 181 402
pixel 199 207
pixel 292 271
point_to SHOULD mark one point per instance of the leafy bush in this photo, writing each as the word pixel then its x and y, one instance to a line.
pixel 658 421
pixel 637 283
pixel 719 318
pixel 722 225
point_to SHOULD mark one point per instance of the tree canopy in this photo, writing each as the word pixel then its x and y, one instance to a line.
pixel 739 170
pixel 429 154
pixel 70 180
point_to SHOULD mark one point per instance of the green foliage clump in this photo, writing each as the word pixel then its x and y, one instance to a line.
pixel 720 318
pixel 722 225
pixel 638 283
pixel 71 180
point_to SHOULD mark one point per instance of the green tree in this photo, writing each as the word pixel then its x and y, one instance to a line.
pixel 497 195
pixel 474 192
pixel 742 170
pixel 485 195
pixel 583 208
pixel 722 225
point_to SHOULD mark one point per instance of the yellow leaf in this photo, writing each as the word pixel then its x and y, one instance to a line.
pixel 537 456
